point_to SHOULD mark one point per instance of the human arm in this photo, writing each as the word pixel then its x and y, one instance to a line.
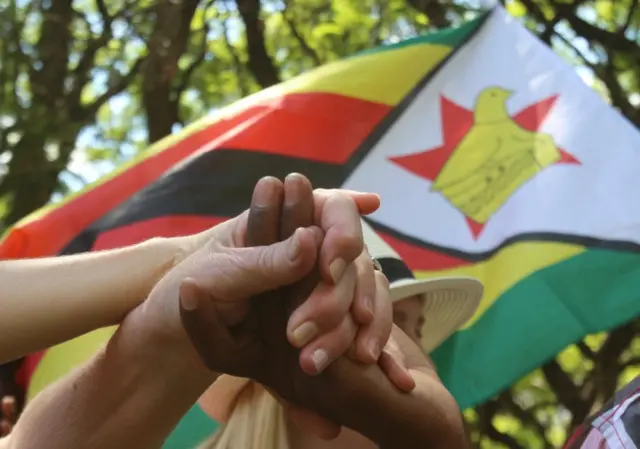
pixel 129 395
pixel 325 393
pixel 367 402
pixel 49 300
pixel 132 393
pixel 154 320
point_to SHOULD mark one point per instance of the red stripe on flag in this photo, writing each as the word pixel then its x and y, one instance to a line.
pixel 423 259
pixel 27 368
pixel 48 235
pixel 169 226
pixel 318 126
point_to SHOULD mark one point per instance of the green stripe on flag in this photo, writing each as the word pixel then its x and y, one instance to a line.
pixel 450 37
pixel 591 292
pixel 194 428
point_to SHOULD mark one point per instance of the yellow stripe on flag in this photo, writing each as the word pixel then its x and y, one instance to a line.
pixel 385 77
pixel 508 267
pixel 57 361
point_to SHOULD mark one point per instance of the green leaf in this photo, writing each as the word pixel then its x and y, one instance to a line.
pixel 516 8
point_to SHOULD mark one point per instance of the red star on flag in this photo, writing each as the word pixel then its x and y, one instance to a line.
pixel 456 123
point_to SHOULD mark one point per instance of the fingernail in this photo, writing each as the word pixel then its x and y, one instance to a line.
pixel 320 360
pixel 264 194
pixel 374 348
pixel 293 194
pixel 336 269
pixel 304 333
pixel 189 302
pixel 294 245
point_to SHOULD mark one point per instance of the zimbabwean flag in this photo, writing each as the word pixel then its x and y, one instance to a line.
pixel 491 156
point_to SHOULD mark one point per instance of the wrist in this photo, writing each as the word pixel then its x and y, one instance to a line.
pixel 375 408
pixel 168 345
pixel 136 391
pixel 167 252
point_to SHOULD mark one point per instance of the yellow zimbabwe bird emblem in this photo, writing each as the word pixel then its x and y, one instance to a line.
pixel 487 155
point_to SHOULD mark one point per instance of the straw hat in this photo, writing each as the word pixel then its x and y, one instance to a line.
pixel 449 302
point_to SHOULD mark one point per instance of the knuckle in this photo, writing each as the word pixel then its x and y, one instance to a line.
pixel 347 331
pixel 350 241
pixel 264 258
pixel 330 306
pixel 366 270
pixel 328 309
pixel 320 192
pixel 381 281
pixel 341 339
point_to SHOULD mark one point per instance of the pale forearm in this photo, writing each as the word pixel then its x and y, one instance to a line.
pixel 46 301
pixel 129 396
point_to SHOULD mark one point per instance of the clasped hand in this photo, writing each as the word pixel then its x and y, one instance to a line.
pixel 342 308
pixel 256 346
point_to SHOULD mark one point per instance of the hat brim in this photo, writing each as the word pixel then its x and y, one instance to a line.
pixel 448 304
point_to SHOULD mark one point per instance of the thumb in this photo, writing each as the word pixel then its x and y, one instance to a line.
pixel 256 270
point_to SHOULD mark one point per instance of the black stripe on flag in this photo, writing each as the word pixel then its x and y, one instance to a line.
pixel 588 242
pixel 215 183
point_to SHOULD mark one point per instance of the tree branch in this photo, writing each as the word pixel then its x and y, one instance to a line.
pixel 612 41
pixel 86 63
pixel 526 417
pixel 288 14
pixel 375 30
pixel 486 413
pixel 585 350
pixel 633 361
pixel 197 61
pixel 606 72
pixel 565 390
pixel 260 63
pixel 53 49
pixel 240 67
pixel 436 12
pixel 115 87
pixel 167 44
pixel 632 10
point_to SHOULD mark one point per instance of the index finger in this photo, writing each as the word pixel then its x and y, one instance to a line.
pixel 366 202
pixel 338 216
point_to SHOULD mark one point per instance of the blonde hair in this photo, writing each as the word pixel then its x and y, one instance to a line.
pixel 257 421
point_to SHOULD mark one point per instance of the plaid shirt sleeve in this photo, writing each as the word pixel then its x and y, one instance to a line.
pixel 616 426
